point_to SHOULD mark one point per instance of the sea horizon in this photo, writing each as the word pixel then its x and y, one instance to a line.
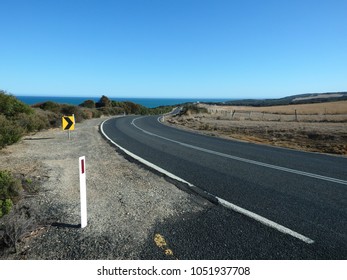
pixel 147 101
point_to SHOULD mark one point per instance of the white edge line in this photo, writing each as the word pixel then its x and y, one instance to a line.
pixel 262 144
pixel 264 221
pixel 221 201
pixel 258 163
pixel 151 165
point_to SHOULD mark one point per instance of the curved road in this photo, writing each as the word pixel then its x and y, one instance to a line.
pixel 299 197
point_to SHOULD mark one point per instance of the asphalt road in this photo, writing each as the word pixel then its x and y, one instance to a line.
pixel 274 203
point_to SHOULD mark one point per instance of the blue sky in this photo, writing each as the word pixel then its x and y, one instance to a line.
pixel 173 48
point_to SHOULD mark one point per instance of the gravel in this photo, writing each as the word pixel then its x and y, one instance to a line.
pixel 126 202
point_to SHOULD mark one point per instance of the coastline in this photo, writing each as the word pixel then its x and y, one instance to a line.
pixel 147 102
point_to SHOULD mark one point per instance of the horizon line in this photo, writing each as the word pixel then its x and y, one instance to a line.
pixel 133 97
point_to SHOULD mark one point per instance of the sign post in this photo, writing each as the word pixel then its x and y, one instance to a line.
pixel 68 123
pixel 83 191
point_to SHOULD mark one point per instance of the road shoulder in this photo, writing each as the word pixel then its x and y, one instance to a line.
pixel 125 201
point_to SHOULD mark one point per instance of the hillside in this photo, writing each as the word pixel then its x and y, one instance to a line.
pixel 293 99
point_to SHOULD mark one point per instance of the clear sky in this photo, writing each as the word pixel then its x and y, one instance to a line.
pixel 173 48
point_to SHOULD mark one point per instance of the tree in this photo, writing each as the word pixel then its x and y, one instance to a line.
pixel 104 102
pixel 88 104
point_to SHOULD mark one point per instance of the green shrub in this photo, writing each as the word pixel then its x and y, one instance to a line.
pixel 9 132
pixel 87 114
pixel 88 104
pixel 5 206
pixel 50 118
pixel 10 106
pixel 9 186
pixel 10 190
pixel 96 113
pixel 49 106
pixel 69 110
pixel 103 102
pixel 33 122
pixel 113 111
pixel 16 119
pixel 160 110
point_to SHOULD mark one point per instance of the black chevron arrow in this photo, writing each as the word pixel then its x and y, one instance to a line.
pixel 69 123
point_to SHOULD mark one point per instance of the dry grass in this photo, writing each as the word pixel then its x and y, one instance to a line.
pixel 309 131
pixel 326 108
pixel 320 112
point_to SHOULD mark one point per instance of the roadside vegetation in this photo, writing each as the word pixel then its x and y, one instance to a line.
pixel 10 190
pixel 18 119
pixel 108 107
pixel 189 109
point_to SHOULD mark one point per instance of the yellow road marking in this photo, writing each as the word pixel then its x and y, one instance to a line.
pixel 160 241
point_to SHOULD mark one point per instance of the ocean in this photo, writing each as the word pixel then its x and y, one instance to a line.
pixel 147 102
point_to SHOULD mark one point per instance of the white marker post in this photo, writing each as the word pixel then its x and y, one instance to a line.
pixel 83 191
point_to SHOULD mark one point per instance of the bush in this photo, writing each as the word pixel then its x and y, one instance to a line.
pixel 96 113
pixel 10 106
pixel 17 118
pixel 69 110
pixel 110 111
pixel 49 118
pixel 9 186
pixel 9 132
pixel 193 109
pixel 30 123
pixel 10 190
pixel 49 106
pixel 88 104
pixel 87 114
pixel 104 102
pixel 5 206
pixel 160 110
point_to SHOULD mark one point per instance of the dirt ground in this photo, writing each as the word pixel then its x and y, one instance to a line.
pixel 273 129
pixel 125 201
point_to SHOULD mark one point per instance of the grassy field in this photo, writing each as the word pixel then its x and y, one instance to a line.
pixel 315 127
pixel 326 108
pixel 319 112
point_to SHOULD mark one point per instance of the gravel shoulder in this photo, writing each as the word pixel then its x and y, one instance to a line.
pixel 126 202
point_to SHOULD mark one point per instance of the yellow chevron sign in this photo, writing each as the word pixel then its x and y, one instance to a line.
pixel 68 123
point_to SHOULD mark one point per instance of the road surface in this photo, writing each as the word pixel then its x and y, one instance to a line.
pixel 274 203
